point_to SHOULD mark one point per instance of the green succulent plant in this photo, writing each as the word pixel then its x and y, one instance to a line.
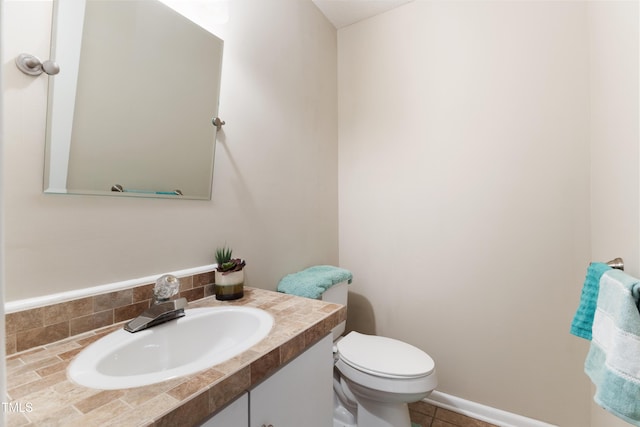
pixel 223 255
pixel 227 264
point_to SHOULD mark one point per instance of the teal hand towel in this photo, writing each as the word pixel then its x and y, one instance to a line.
pixel 613 361
pixel 583 319
pixel 313 281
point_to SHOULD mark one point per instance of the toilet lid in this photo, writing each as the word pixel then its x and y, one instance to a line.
pixel 384 357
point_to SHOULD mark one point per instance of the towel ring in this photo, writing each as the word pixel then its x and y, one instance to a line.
pixel 617 263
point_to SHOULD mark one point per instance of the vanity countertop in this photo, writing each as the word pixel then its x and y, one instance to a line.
pixel 40 393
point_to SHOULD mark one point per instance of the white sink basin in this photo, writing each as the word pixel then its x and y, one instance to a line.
pixel 202 338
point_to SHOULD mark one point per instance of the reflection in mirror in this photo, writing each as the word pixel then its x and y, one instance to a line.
pixel 132 107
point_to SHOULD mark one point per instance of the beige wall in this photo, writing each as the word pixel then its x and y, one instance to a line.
pixel 3 387
pixel 275 178
pixel 614 136
pixel 464 194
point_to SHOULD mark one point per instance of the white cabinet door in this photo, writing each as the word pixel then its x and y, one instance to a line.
pixel 236 414
pixel 298 395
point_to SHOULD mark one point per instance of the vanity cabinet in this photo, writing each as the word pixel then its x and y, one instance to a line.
pixel 299 393
pixel 234 414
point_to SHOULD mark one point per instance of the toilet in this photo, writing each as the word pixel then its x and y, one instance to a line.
pixel 375 377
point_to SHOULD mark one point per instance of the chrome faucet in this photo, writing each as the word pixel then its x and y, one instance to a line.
pixel 162 308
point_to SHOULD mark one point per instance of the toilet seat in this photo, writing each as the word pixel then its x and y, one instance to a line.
pixel 384 357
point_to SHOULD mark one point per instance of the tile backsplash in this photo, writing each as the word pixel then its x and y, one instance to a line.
pixel 43 325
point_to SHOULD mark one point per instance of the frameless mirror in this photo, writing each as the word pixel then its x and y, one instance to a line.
pixel 131 111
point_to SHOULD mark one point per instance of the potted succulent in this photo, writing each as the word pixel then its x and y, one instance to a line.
pixel 228 275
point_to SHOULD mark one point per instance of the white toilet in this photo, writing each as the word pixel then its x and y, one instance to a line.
pixel 376 377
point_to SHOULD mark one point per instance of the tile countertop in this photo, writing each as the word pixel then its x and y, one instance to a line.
pixel 41 394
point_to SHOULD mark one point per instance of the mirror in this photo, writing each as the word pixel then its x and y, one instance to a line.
pixel 131 111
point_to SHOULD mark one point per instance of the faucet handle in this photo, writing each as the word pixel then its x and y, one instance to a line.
pixel 166 286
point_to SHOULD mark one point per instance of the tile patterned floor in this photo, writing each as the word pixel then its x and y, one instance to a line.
pixel 426 415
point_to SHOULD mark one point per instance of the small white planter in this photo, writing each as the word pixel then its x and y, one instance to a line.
pixel 229 286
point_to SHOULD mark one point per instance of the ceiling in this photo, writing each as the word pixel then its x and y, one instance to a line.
pixel 346 12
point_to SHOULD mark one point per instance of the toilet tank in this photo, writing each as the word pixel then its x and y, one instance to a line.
pixel 337 294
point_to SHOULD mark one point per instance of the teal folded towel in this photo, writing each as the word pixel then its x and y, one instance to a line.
pixel 583 319
pixel 613 361
pixel 313 281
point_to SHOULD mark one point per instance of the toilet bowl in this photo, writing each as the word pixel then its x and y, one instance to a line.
pixel 382 375
pixel 375 377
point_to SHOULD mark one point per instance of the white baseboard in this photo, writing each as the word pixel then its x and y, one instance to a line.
pixel 482 412
pixel 25 304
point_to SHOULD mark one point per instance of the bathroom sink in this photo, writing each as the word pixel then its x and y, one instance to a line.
pixel 202 338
